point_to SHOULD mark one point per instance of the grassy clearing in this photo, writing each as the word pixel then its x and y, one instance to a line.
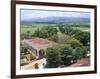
pixel 86 29
pixel 32 29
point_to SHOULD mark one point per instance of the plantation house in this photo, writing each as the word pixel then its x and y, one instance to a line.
pixel 37 46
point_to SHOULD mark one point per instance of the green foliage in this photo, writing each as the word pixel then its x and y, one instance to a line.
pixel 36 66
pixel 65 54
pixel 23 36
pixel 61 28
pixel 23 49
pixel 85 51
pixel 54 38
pixel 45 32
pixel 62 38
pixel 79 50
pixel 81 28
pixel 23 62
pixel 84 37
pixel 73 42
pixel 52 57
pixel 26 35
pixel 66 29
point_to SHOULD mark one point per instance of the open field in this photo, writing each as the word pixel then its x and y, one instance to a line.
pixel 82 28
pixel 32 28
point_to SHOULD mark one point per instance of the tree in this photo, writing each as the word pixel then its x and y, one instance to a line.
pixel 84 37
pixel 66 54
pixel 23 49
pixel 61 28
pixel 78 53
pixel 78 50
pixel 36 66
pixel 52 57
pixel 45 32
pixel 54 38
pixel 28 35
pixel 36 33
pixel 66 29
pixel 28 32
pixel 23 36
pixel 73 42
pixel 59 55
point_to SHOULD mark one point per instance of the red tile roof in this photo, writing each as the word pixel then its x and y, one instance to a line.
pixel 39 41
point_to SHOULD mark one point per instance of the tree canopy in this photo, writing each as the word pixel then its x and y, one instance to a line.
pixel 45 32
pixel 52 57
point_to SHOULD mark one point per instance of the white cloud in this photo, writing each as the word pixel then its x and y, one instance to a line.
pixel 29 14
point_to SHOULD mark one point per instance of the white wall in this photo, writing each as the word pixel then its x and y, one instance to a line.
pixel 5 39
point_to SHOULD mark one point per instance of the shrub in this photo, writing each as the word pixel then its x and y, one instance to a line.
pixel 36 66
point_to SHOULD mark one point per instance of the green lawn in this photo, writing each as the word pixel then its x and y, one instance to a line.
pixel 24 29
pixel 82 28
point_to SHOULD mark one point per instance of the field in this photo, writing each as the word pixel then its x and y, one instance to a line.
pixel 82 28
pixel 33 27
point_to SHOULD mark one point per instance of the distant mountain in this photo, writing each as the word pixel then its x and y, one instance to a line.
pixel 54 19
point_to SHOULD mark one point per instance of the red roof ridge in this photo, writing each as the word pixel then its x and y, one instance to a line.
pixel 39 41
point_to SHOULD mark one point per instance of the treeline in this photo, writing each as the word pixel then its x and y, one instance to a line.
pixel 45 32
pixel 83 37
pixel 64 55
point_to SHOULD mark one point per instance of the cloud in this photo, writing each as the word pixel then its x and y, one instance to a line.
pixel 33 14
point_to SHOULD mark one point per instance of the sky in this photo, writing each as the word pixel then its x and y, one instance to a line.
pixel 27 14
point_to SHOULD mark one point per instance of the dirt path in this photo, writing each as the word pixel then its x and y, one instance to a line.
pixel 31 65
